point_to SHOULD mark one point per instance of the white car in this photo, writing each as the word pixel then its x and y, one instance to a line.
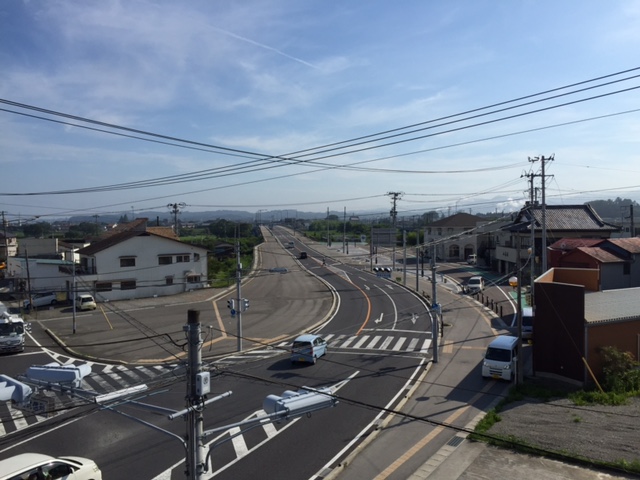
pixel 41 300
pixel 85 302
pixel 475 285
pixel 30 465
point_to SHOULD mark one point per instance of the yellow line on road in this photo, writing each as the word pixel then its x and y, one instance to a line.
pixel 437 430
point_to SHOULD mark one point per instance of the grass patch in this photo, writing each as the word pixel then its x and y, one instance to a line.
pixel 596 397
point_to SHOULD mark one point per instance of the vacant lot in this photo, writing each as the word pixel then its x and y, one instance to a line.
pixel 596 432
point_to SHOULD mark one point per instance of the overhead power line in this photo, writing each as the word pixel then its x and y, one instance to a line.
pixel 261 161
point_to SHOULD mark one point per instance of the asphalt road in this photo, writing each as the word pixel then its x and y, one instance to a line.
pixel 426 440
pixel 371 379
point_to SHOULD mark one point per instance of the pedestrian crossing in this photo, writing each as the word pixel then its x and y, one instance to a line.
pixel 391 341
pixel 103 379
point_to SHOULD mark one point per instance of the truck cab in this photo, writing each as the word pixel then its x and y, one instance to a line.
pixel 12 332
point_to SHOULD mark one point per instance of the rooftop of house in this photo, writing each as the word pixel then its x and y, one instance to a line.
pixel 126 231
pixel 612 305
pixel 558 218
pixel 464 220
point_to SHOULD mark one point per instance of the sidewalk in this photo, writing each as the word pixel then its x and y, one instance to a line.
pixel 459 458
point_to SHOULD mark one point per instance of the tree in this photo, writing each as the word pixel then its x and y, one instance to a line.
pixel 37 230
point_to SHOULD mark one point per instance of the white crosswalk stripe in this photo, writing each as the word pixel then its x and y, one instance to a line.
pixel 392 341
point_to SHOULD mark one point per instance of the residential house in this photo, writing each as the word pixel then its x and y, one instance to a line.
pixel 616 259
pixel 38 274
pixel 527 232
pixel 137 261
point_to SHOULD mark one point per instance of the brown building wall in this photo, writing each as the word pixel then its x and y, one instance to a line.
pixel 558 342
pixel 625 335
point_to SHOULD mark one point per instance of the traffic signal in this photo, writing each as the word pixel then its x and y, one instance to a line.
pixel 245 304
pixel 61 374
pixel 231 304
pixel 12 389
pixel 294 404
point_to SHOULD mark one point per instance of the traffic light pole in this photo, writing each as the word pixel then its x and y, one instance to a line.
pixel 239 295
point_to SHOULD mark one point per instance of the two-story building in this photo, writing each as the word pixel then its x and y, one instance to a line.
pixel 455 237
pixel 140 261
pixel 527 232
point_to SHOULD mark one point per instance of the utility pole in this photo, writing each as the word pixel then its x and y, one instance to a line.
pixel 73 290
pixel 417 253
pixel 328 241
pixel 543 161
pixel 6 240
pixel 344 231
pixel 197 386
pixel 395 196
pixel 520 364
pixel 239 293
pixel 435 327
pixel 175 209
pixel 404 254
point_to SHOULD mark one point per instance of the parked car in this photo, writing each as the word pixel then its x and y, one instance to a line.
pixel 85 302
pixel 41 300
pixel 308 348
pixel 36 465
pixel 474 285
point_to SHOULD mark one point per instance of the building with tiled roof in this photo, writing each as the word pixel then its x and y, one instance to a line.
pixel 141 261
pixel 562 222
pixel 616 259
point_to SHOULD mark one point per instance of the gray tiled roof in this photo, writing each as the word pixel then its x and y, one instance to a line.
pixel 458 220
pixel 612 305
pixel 558 218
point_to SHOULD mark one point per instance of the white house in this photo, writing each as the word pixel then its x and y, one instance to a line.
pixel 139 262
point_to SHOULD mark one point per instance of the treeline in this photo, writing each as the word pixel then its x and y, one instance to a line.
pixel 618 208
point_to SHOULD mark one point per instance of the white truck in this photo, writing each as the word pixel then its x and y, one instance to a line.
pixel 12 331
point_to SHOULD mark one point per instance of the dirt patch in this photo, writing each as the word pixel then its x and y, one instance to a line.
pixel 596 432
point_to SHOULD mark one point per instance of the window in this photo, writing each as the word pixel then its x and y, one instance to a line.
pixel 104 286
pixel 196 257
pixel 165 260
pixel 182 258
pixel 168 280
pixel 128 285
pixel 128 261
pixel 193 279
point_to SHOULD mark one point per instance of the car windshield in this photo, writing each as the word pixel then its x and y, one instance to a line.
pixel 11 328
pixel 498 354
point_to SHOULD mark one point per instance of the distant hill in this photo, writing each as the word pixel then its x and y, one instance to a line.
pixel 615 209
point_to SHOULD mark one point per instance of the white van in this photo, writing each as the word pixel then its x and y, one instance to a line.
pixel 501 358
pixel 30 465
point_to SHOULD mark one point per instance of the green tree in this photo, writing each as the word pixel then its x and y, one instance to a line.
pixel 37 230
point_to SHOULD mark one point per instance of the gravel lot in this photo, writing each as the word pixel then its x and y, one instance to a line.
pixel 595 432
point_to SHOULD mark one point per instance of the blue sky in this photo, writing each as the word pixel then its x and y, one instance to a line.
pixel 268 79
